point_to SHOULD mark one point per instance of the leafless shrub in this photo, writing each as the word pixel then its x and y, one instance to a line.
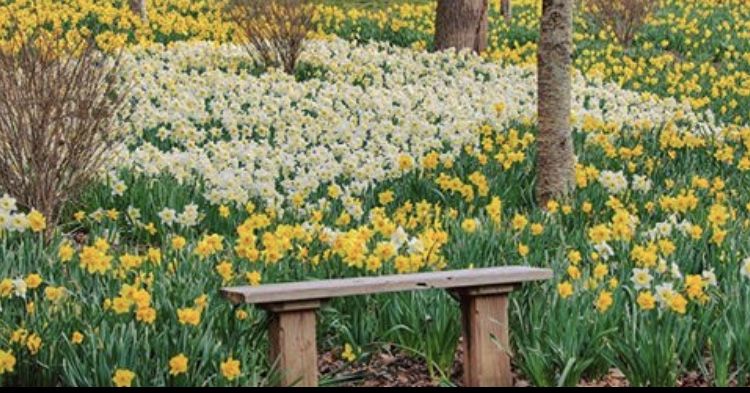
pixel 624 17
pixel 58 104
pixel 273 31
pixel 139 8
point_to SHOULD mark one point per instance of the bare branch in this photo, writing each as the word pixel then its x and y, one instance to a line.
pixel 624 17
pixel 58 104
pixel 273 32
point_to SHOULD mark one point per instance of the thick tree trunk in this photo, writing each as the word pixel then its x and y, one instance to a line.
pixel 555 161
pixel 506 10
pixel 139 8
pixel 461 24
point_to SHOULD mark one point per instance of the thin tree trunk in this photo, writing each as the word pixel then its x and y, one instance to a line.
pixel 139 8
pixel 461 24
pixel 555 161
pixel 506 10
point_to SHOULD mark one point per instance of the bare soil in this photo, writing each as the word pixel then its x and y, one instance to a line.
pixel 390 367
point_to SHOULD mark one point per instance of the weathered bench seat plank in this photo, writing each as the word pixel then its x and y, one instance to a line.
pixel 325 289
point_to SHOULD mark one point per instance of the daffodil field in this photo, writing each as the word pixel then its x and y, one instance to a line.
pixel 378 157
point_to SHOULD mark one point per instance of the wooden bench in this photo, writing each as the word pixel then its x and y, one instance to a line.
pixel 482 293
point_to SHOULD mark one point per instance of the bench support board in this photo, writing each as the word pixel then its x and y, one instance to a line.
pixel 484 316
pixel 291 333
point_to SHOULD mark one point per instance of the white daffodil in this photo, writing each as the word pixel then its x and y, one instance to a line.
pixel 745 269
pixel 20 287
pixel 641 184
pixel 613 182
pixel 641 278
pixel 167 216
pixel 7 204
pixel 664 292
pixel 710 277
pixel 604 250
pixel 399 237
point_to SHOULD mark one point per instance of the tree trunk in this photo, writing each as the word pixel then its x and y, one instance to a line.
pixel 461 24
pixel 555 165
pixel 506 10
pixel 139 7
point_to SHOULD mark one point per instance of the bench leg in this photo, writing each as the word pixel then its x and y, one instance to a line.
pixel 485 334
pixel 291 333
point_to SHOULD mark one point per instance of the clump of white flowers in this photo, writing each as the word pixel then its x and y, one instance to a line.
pixel 641 184
pixel 272 138
pixel 189 217
pixel 613 182
pixel 11 220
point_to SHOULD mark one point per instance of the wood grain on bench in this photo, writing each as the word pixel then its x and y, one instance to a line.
pixel 326 289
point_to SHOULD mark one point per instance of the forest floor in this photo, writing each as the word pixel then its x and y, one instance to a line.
pixel 394 368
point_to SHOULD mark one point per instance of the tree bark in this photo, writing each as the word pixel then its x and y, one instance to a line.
pixel 461 24
pixel 139 8
pixel 555 164
pixel 506 10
